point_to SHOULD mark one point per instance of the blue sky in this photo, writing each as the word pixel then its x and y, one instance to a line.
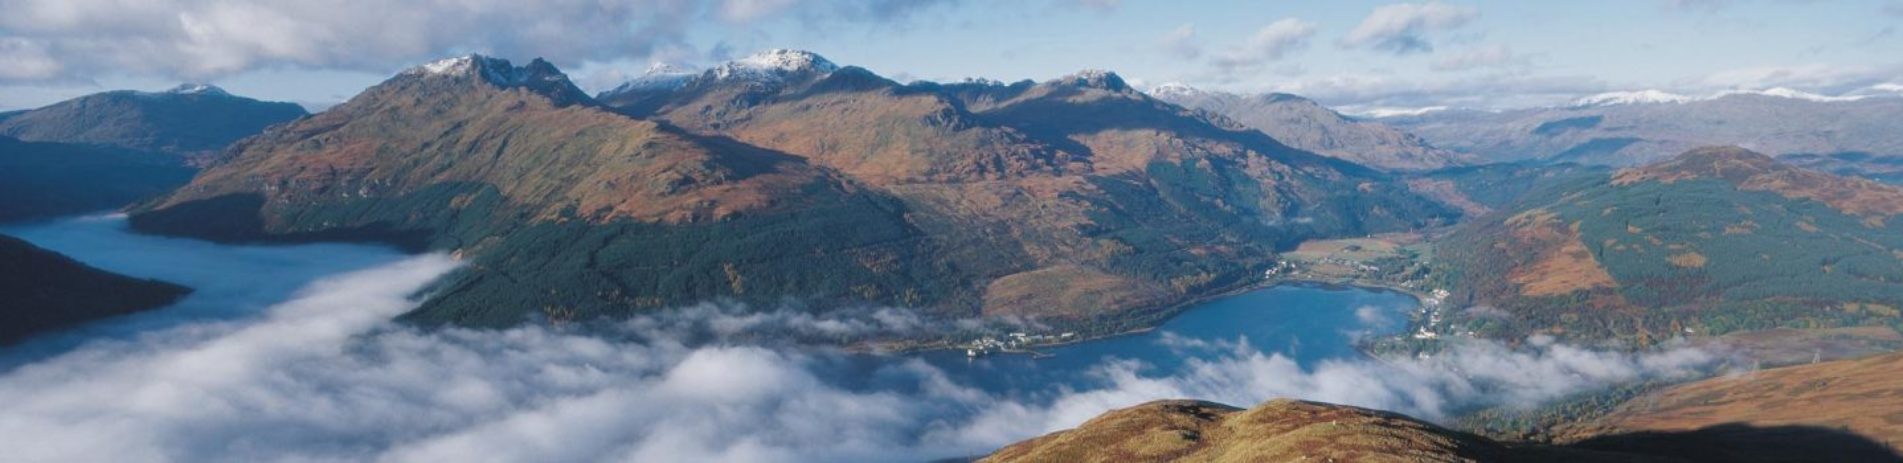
pixel 1358 54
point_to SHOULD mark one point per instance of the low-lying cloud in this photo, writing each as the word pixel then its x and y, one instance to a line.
pixel 325 376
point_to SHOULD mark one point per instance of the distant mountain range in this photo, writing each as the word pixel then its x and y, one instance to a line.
pixel 1713 241
pixel 106 150
pixel 784 175
pixel 43 179
pixel 1305 124
pixel 193 122
pixel 1832 133
pixel 46 291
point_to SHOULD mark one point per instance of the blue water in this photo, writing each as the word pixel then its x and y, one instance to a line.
pixel 227 281
pixel 1305 323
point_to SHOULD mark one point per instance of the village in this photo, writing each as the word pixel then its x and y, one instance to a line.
pixel 1016 343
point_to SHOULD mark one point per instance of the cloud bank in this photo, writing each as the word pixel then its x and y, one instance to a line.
pixel 1402 28
pixel 325 377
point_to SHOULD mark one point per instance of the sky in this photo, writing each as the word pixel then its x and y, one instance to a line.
pixel 1351 54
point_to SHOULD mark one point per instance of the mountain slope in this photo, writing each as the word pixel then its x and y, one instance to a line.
pixel 1716 240
pixel 40 180
pixel 1278 430
pixel 1856 395
pixel 1305 124
pixel 564 210
pixel 752 181
pixel 192 121
pixel 1639 133
pixel 46 291
pixel 1292 430
pixel 1118 193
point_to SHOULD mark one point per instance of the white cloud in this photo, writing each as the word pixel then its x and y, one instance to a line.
pixel 1485 56
pixel 741 11
pixel 1829 79
pixel 1401 28
pixel 325 377
pixel 26 61
pixel 1181 42
pixel 200 38
pixel 1270 43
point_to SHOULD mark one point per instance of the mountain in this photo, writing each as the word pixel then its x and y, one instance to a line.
pixel 47 291
pixel 39 180
pixel 1304 124
pixel 785 177
pixel 1641 127
pixel 190 121
pixel 1292 430
pixel 1713 241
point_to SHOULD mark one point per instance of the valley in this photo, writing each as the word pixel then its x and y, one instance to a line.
pixel 870 231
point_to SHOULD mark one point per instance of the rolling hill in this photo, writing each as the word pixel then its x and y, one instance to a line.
pixel 1292 430
pixel 193 122
pixel 1716 240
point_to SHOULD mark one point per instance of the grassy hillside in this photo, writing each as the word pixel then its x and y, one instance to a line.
pixel 191 121
pixel 1715 241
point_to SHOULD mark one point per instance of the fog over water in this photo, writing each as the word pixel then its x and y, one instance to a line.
pixel 288 354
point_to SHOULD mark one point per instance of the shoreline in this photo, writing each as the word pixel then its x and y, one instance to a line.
pixel 1161 316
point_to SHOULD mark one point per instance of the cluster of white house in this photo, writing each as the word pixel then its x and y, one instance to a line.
pixel 988 345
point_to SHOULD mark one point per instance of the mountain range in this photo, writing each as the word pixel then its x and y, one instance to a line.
pixel 1643 127
pixel 783 174
pixel 1305 124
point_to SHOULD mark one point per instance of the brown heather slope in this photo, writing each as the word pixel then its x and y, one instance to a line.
pixel 1715 241
pixel 1278 430
pixel 1862 396
pixel 1292 430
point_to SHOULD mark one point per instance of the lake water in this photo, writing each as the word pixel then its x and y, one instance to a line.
pixel 1305 323
pixel 1308 324
pixel 227 281
pixel 285 352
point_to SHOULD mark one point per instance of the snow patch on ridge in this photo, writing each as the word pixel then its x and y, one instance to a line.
pixel 1648 96
pixel 773 65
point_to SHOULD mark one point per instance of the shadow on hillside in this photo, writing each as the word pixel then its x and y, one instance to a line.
pixel 1737 442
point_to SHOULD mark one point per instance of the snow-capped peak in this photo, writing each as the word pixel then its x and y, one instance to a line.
pixel 1377 112
pixel 1632 97
pixel 774 64
pixel 1095 78
pixel 1175 90
pixel 197 89
pixel 1787 92
pixel 659 76
pixel 496 70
